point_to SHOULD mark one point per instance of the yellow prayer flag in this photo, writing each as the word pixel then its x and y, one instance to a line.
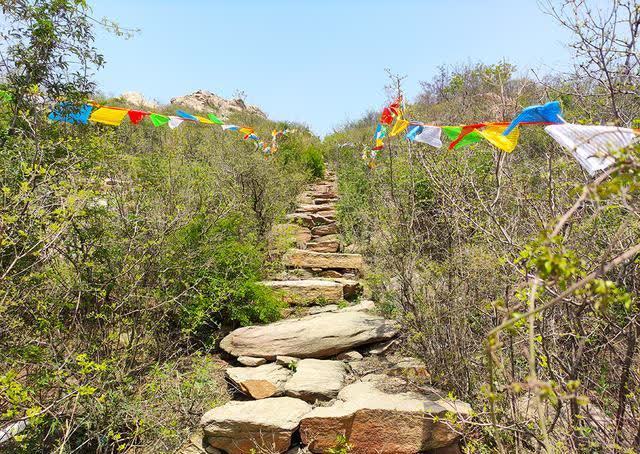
pixel 379 143
pixel 245 130
pixel 400 125
pixel 203 120
pixel 108 116
pixel 493 134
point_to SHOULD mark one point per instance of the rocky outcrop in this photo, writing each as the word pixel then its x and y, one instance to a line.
pixel 315 336
pixel 261 425
pixel 378 421
pixel 138 100
pixel 316 379
pixel 205 101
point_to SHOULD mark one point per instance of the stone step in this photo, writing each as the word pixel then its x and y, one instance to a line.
pixel 298 258
pixel 322 230
pixel 314 208
pixel 254 426
pixel 323 246
pixel 307 291
pixel 304 292
pixel 315 336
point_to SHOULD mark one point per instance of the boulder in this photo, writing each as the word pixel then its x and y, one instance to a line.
pixel 330 274
pixel 316 379
pixel 137 99
pixel 307 291
pixel 260 382
pixel 262 425
pixel 297 258
pixel 376 420
pixel 382 347
pixel 314 336
pixel 251 362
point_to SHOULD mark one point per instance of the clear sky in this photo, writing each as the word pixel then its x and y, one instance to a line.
pixel 319 62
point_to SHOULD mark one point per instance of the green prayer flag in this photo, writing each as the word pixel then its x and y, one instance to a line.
pixel 453 132
pixel 215 119
pixel 159 120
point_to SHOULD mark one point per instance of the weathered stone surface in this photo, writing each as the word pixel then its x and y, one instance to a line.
pixel 314 336
pixel 410 369
pixel 304 219
pixel 286 361
pixel 382 347
pixel 316 379
pixel 379 421
pixel 307 259
pixel 251 362
pixel 330 274
pixel 364 305
pixel 307 291
pixel 350 288
pixel 260 382
pixel 196 444
pixel 321 309
pixel 325 246
pixel 137 99
pixel 321 230
pixel 239 427
pixel 350 356
pixel 314 208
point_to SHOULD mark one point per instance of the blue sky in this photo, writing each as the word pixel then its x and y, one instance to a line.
pixel 317 62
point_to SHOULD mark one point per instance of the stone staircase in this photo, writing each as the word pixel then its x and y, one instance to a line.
pixel 303 382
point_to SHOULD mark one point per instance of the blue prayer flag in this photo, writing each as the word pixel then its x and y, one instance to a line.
pixel 414 130
pixel 548 113
pixel 69 113
pixel 185 115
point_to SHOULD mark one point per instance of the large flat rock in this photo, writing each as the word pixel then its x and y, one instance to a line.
pixel 379 421
pixel 307 291
pixel 314 336
pixel 260 382
pixel 261 425
pixel 316 379
pixel 297 258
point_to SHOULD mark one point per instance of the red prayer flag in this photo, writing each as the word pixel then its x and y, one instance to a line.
pixel 136 116
pixel 387 116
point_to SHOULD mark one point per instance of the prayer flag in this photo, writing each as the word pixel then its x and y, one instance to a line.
pixel 246 130
pixel 204 120
pixel 69 113
pixel 136 116
pixel 400 125
pixel 546 113
pixel 174 121
pixel 493 134
pixel 381 131
pixel 428 134
pixel 592 146
pixel 387 116
pixel 215 119
pixel 230 127
pixel 184 115
pixel 159 120
pixel 454 133
pixel 108 116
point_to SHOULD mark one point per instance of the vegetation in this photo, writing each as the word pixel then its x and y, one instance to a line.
pixel 124 252
pixel 516 275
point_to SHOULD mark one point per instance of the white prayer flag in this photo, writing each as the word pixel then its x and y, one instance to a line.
pixel 592 145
